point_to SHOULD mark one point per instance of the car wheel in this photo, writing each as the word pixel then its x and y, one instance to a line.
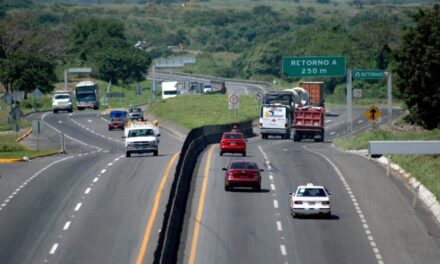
pixel 109 129
pixel 244 154
pixel 156 153
pixel 221 153
pixel 127 154
pixel 257 188
pixel 70 110
pixel 227 188
pixel 328 215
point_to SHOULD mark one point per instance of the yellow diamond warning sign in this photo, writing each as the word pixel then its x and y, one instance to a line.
pixel 373 113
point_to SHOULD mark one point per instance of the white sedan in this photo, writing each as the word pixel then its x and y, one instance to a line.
pixel 310 199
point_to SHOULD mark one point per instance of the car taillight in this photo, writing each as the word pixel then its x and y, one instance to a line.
pixel 298 202
pixel 256 174
pixel 325 202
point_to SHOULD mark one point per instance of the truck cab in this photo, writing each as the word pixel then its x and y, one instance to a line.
pixel 62 101
pixel 141 138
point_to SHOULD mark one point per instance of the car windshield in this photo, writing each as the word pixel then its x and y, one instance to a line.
pixel 311 192
pixel 134 110
pixel 244 166
pixel 62 96
pixel 140 133
pixel 233 136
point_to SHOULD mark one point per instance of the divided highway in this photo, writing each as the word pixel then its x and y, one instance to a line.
pixel 372 218
pixel 91 205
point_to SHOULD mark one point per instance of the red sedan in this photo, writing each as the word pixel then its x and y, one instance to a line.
pixel 242 174
pixel 233 142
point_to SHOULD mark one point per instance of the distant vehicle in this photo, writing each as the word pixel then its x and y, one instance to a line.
pixel 309 123
pixel 118 119
pixel 62 101
pixel 207 88
pixel 310 199
pixel 275 120
pixel 241 173
pixel 315 91
pixel 87 95
pixel 169 89
pixel 279 97
pixel 233 142
pixel 135 113
pixel 140 139
pixel 218 86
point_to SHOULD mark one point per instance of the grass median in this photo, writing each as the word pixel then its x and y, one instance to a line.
pixel 9 149
pixel 208 109
pixel 423 167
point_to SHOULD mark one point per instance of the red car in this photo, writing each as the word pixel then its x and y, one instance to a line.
pixel 233 142
pixel 242 174
pixel 118 120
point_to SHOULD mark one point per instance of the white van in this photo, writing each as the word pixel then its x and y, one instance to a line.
pixel 275 119
pixel 169 89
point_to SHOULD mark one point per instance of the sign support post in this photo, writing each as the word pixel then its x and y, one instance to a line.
pixel 349 104
pixel 390 95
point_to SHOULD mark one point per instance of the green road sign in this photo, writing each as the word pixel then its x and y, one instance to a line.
pixel 319 66
pixel 368 74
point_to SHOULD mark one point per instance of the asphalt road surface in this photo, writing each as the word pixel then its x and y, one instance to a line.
pixel 372 216
pixel 91 205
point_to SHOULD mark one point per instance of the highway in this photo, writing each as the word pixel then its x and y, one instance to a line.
pixel 91 205
pixel 372 216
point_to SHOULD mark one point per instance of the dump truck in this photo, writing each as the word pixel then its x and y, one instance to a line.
pixel 309 123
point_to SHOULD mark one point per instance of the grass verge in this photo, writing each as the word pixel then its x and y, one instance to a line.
pixel 423 167
pixel 199 110
pixel 9 149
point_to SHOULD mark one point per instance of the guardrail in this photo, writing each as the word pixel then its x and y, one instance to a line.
pixel 197 140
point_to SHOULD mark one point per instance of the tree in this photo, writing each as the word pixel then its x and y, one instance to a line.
pixel 115 64
pixel 418 67
pixel 23 71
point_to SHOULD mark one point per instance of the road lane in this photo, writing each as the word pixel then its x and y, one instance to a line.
pixel 91 208
pixel 372 218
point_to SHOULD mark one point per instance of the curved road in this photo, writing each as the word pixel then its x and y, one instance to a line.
pixel 91 205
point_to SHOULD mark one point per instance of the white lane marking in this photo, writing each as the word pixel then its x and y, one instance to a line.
pixel 328 121
pixel 110 164
pixel 360 121
pixel 53 249
pixel 103 171
pixel 272 186
pixel 355 204
pixel 67 136
pixel 279 226
pixel 95 179
pixel 66 225
pixel 270 177
pixel 275 203
pixel 16 191
pixel 283 250
pixel 87 190
pixel 78 206
pixel 60 121
pixel 332 133
pixel 88 120
pixel 105 120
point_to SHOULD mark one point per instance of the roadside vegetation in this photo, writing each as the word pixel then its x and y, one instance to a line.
pixel 10 149
pixel 195 111
pixel 423 167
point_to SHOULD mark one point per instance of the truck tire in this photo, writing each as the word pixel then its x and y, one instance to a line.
pixel 70 110
pixel 156 152
pixel 55 111
pixel 128 154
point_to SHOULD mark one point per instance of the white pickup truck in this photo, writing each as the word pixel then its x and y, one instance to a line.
pixel 141 138
pixel 62 100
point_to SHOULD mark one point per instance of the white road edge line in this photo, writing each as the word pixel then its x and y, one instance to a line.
pixel 78 206
pixel 355 204
pixel 67 225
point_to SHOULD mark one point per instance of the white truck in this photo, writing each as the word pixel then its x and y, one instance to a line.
pixel 62 101
pixel 169 89
pixel 275 120
pixel 141 137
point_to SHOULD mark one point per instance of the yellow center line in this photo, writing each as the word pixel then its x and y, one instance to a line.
pixel 200 209
pixel 150 223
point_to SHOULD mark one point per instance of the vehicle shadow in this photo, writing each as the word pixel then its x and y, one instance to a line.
pixel 149 155
pixel 316 217
pixel 248 190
